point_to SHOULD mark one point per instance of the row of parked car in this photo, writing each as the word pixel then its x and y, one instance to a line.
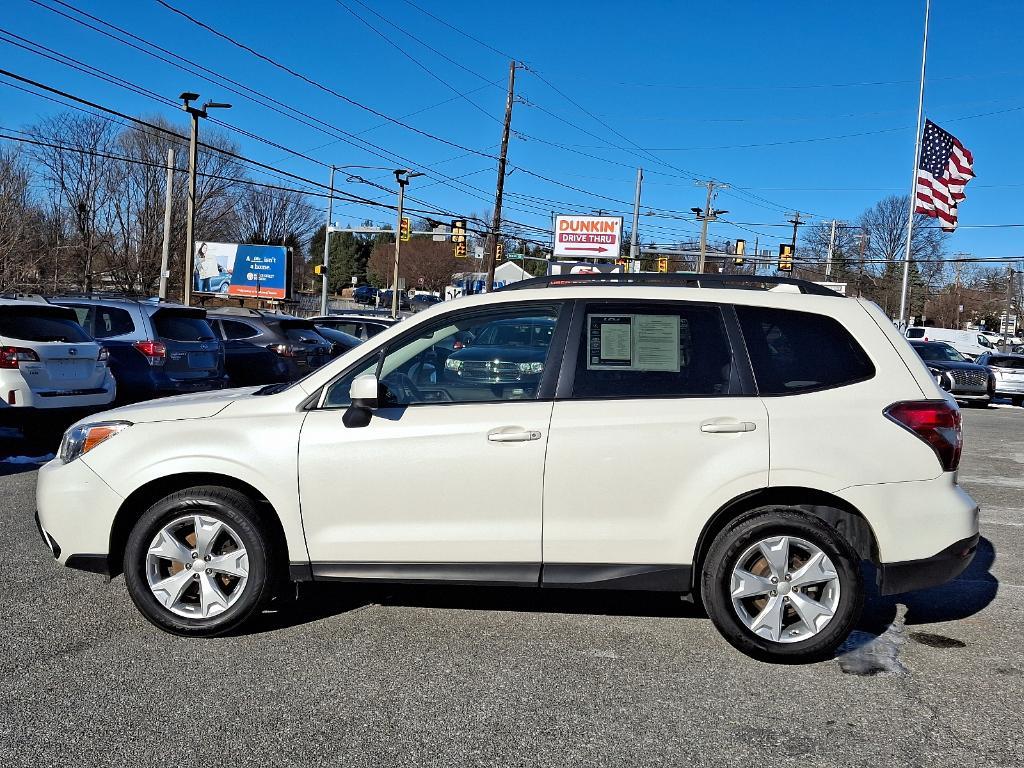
pixel 969 365
pixel 72 354
pixel 374 297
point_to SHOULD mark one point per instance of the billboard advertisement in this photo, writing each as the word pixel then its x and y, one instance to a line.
pixel 587 237
pixel 245 271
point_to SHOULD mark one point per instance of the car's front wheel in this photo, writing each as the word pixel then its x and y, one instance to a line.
pixel 782 586
pixel 197 562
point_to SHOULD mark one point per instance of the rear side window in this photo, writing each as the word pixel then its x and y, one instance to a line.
pixel 236 330
pixel 170 325
pixel 915 333
pixel 800 352
pixel 34 325
pixel 647 350
pixel 111 321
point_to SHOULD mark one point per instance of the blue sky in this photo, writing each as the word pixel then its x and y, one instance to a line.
pixel 689 82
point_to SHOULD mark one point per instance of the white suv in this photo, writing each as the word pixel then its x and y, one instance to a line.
pixel 748 448
pixel 48 363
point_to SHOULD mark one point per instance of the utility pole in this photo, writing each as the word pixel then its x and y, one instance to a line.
pixel 863 244
pixel 795 221
pixel 402 176
pixel 1009 300
pixel 634 240
pixel 492 237
pixel 165 254
pixel 957 266
pixel 193 156
pixel 831 250
pixel 705 215
pixel 327 246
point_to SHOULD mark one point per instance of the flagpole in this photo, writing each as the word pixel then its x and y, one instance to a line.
pixel 913 181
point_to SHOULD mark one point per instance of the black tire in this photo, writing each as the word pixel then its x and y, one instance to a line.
pixel 228 506
pixel 746 531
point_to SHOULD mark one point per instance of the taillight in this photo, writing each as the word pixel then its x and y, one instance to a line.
pixel 155 352
pixel 10 357
pixel 103 356
pixel 934 421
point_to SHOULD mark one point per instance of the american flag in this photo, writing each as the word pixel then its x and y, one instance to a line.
pixel 943 171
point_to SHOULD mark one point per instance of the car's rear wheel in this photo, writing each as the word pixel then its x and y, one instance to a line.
pixel 782 586
pixel 197 562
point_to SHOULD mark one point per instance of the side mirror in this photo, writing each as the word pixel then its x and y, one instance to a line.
pixel 364 394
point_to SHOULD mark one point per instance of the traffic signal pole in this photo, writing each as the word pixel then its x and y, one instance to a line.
pixel 327 247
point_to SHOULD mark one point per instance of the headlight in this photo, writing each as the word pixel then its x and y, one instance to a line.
pixel 83 438
pixel 453 365
pixel 531 367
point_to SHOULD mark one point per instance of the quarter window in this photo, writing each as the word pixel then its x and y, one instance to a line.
pixel 650 350
pixel 799 351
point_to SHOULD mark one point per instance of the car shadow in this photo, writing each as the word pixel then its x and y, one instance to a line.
pixel 968 594
pixel 320 600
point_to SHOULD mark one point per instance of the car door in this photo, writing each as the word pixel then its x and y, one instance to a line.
pixel 445 481
pixel 655 426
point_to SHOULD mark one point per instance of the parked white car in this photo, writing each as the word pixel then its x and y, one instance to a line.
pixel 674 438
pixel 48 363
pixel 969 343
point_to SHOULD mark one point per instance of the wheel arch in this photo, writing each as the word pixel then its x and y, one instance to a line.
pixel 143 497
pixel 835 512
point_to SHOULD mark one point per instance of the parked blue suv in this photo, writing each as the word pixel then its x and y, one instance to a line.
pixel 155 349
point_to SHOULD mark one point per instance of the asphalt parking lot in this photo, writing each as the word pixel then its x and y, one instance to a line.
pixel 515 677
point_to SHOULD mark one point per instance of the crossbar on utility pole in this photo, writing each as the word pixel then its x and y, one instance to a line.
pixel 327 248
pixel 492 237
pixel 165 253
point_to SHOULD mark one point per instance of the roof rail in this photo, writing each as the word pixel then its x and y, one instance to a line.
pixel 674 279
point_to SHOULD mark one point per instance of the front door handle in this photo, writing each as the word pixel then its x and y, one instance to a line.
pixel 728 426
pixel 513 435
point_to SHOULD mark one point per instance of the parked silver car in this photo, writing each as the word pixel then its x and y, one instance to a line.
pixel 1009 374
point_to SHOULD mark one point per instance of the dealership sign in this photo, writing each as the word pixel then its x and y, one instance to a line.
pixel 587 237
pixel 254 271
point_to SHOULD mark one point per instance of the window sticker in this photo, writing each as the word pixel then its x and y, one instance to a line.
pixel 633 343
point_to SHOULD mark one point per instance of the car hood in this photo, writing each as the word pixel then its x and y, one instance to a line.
pixel 199 405
pixel 505 354
pixel 949 365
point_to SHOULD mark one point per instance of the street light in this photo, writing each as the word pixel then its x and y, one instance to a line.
pixel 193 151
pixel 402 177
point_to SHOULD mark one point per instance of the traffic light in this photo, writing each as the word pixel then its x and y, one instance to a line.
pixel 620 263
pixel 459 237
pixel 785 257
pixel 318 269
pixel 406 229
pixel 663 264
pixel 741 249
pixel 499 251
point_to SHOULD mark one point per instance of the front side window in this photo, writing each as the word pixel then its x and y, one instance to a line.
pixel 653 350
pixel 800 351
pixel 465 358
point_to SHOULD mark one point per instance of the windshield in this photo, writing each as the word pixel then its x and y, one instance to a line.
pixel 506 334
pixel 939 353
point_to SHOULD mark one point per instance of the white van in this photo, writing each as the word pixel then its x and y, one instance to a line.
pixel 969 343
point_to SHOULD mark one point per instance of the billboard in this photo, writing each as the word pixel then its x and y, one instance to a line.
pixel 587 237
pixel 252 271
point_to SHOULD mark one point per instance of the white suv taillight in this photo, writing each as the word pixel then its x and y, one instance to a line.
pixel 936 422
pixel 10 357
pixel 154 351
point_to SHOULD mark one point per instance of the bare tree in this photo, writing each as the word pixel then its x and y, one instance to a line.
pixel 76 172
pixel 269 216
pixel 18 218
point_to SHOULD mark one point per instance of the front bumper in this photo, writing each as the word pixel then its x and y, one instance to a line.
pixel 76 511
pixel 894 578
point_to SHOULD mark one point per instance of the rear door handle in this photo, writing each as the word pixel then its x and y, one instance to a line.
pixel 728 426
pixel 512 435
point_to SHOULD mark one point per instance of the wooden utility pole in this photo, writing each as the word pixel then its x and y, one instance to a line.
pixel 492 236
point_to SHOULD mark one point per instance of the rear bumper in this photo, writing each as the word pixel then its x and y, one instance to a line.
pixel 894 578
